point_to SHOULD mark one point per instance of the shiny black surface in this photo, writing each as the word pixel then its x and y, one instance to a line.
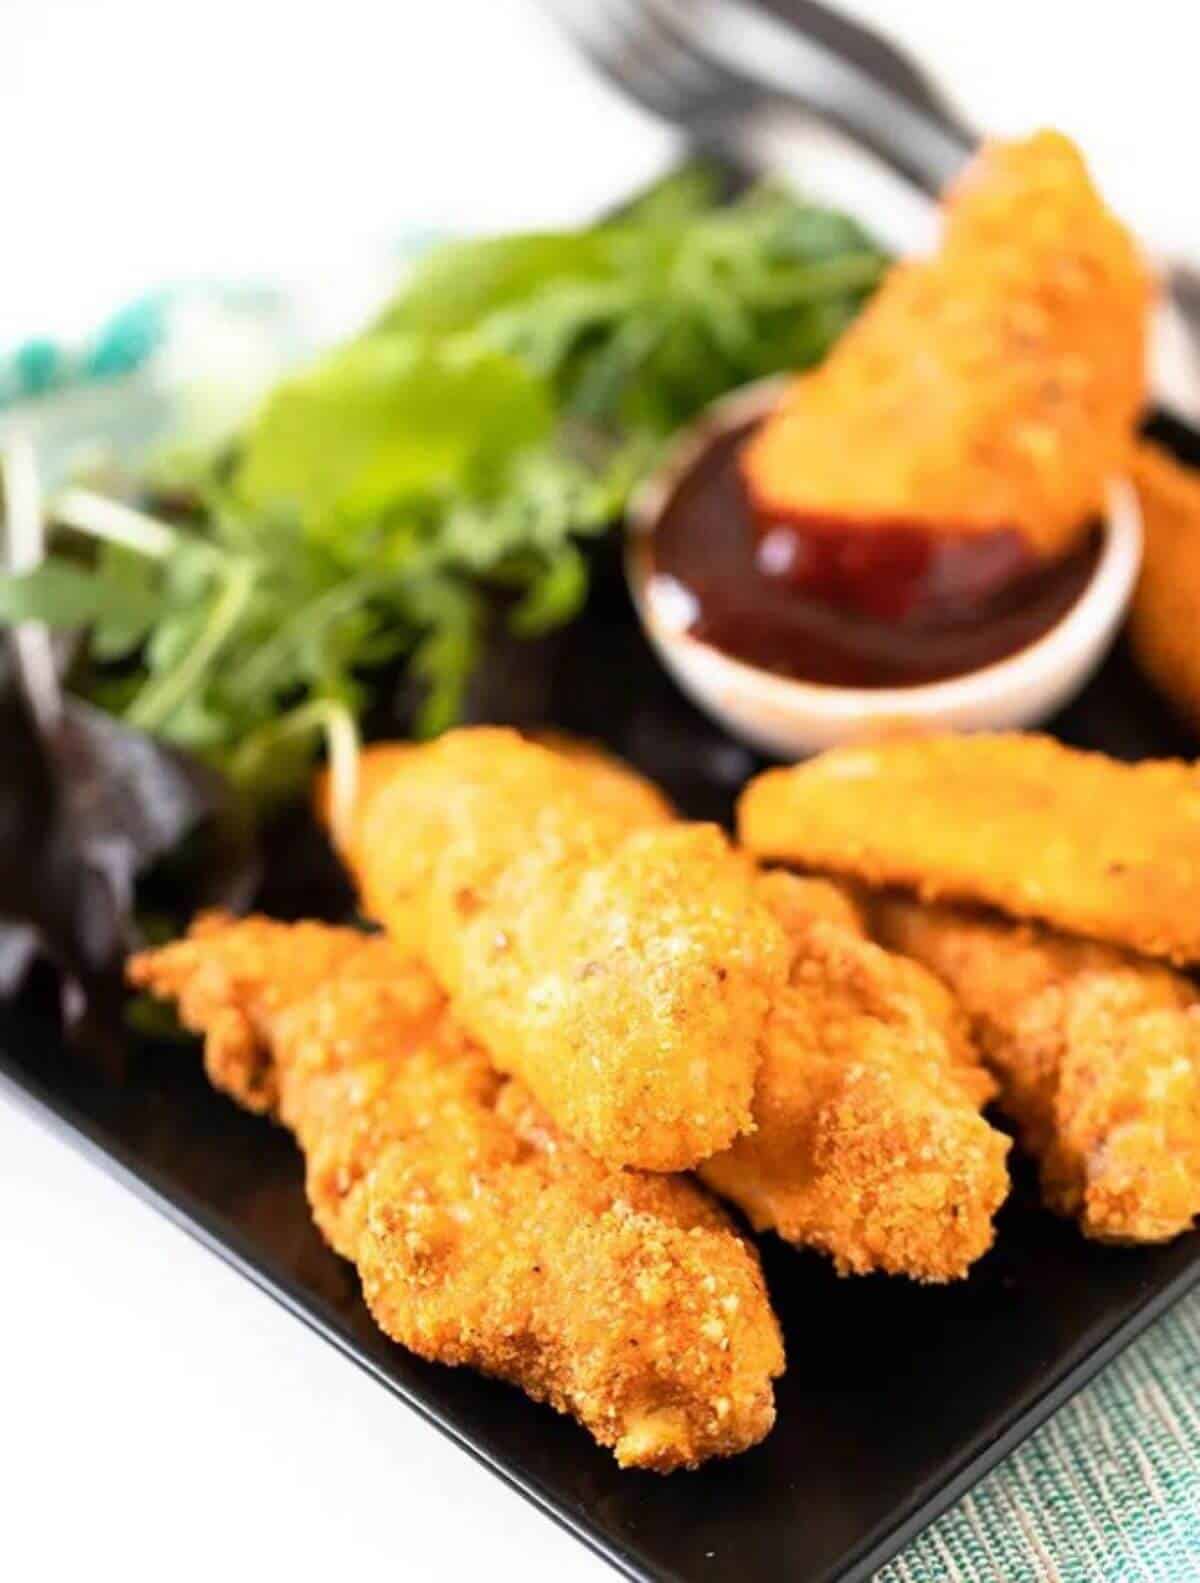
pixel 896 1398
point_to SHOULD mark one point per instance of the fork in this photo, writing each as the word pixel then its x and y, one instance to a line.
pixel 715 66
pixel 709 67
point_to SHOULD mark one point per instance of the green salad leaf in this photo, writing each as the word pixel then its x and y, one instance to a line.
pixel 462 283
pixel 388 420
pixel 446 463
pixel 62 594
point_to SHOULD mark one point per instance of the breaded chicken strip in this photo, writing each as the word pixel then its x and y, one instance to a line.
pixel 481 1234
pixel 1098 1057
pixel 991 388
pixel 868 1141
pixel 1165 615
pixel 620 965
pixel 609 781
pixel 870 1145
pixel 1099 848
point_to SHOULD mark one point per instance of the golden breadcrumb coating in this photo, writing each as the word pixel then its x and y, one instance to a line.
pixel 1098 1057
pixel 1022 823
pixel 864 1071
pixel 870 1144
pixel 798 899
pixel 482 1235
pixel 992 386
pixel 1164 619
pixel 609 781
pixel 433 782
pixel 619 964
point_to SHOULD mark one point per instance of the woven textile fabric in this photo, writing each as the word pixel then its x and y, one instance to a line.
pixel 1107 1492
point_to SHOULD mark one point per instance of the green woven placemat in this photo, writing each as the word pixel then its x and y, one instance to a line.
pixel 1107 1492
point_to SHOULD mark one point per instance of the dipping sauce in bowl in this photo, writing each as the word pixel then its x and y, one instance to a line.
pixel 984 640
pixel 922 612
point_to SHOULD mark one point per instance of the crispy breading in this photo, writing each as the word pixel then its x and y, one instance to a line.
pixel 1098 1057
pixel 620 965
pixel 231 986
pixel 482 1235
pixel 864 1071
pixel 436 783
pixel 1165 615
pixel 1022 823
pixel 992 386
pixel 608 779
pixel 799 899
pixel 870 1144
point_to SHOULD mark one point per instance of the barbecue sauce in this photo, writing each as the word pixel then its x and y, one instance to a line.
pixel 921 610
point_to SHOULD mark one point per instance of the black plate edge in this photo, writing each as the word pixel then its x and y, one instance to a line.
pixel 62 1121
pixel 975 1466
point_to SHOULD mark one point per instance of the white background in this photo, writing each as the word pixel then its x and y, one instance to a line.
pixel 157 1414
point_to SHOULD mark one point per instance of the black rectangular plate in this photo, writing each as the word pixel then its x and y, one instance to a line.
pixel 896 1398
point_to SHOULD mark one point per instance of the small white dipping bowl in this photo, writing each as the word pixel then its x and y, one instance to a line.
pixel 791 718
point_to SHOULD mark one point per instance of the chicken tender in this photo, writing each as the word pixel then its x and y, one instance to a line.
pixel 1165 617
pixel 1022 823
pixel 609 781
pixel 800 899
pixel 621 966
pixel 435 782
pixel 1098 1057
pixel 870 1144
pixel 991 388
pixel 482 1235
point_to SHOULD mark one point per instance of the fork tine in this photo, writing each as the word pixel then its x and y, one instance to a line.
pixel 609 35
pixel 647 48
pixel 604 38
pixel 710 90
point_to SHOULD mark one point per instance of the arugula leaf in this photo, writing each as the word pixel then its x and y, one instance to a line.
pixel 460 283
pixel 444 659
pixel 453 457
pixel 555 596
pixel 682 194
pixel 62 594
pixel 130 606
pixel 385 419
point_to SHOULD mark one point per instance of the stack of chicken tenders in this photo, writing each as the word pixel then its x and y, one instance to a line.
pixel 586 1021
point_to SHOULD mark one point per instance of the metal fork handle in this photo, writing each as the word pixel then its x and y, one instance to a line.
pixel 800 70
pixel 878 56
